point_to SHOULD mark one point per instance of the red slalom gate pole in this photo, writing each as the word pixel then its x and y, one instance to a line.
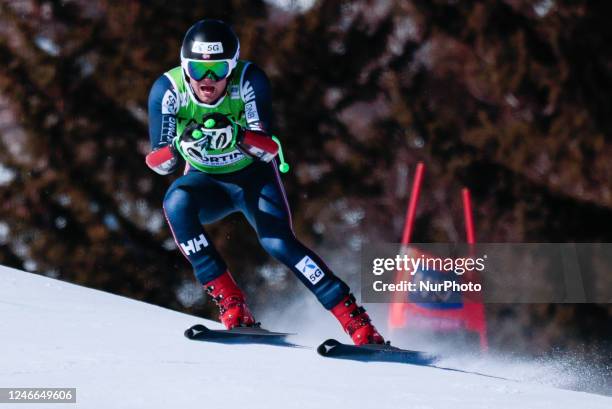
pixel 414 198
pixel 396 310
pixel 476 310
pixel 467 214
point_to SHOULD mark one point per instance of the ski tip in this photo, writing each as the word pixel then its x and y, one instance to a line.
pixel 327 346
pixel 194 330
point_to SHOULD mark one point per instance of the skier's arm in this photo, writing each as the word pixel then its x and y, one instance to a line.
pixel 255 139
pixel 163 106
pixel 257 97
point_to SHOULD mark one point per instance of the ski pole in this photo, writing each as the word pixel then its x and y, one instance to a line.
pixel 284 166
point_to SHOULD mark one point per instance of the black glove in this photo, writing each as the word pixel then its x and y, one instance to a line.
pixel 194 131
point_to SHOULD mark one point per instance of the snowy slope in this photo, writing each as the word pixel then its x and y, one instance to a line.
pixel 121 353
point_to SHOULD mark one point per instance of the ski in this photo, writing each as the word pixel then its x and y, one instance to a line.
pixel 238 335
pixel 372 353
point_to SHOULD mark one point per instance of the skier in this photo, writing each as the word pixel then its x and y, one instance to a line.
pixel 215 112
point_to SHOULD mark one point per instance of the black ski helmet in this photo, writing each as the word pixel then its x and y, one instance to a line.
pixel 211 40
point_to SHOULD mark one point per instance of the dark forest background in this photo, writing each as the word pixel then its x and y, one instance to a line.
pixel 510 98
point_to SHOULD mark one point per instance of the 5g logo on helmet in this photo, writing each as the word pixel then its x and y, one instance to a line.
pixel 204 47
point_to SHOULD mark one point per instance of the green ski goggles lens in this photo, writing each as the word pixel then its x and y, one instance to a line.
pixel 198 70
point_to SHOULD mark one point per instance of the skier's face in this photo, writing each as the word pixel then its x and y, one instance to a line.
pixel 207 90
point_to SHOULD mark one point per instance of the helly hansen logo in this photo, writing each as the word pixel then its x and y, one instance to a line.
pixel 194 245
pixel 310 270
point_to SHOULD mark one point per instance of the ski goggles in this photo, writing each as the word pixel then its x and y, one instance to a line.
pixel 216 70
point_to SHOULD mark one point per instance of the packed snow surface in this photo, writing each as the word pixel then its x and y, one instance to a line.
pixel 121 353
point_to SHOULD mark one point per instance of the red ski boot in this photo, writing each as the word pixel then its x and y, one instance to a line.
pixel 233 311
pixel 356 322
